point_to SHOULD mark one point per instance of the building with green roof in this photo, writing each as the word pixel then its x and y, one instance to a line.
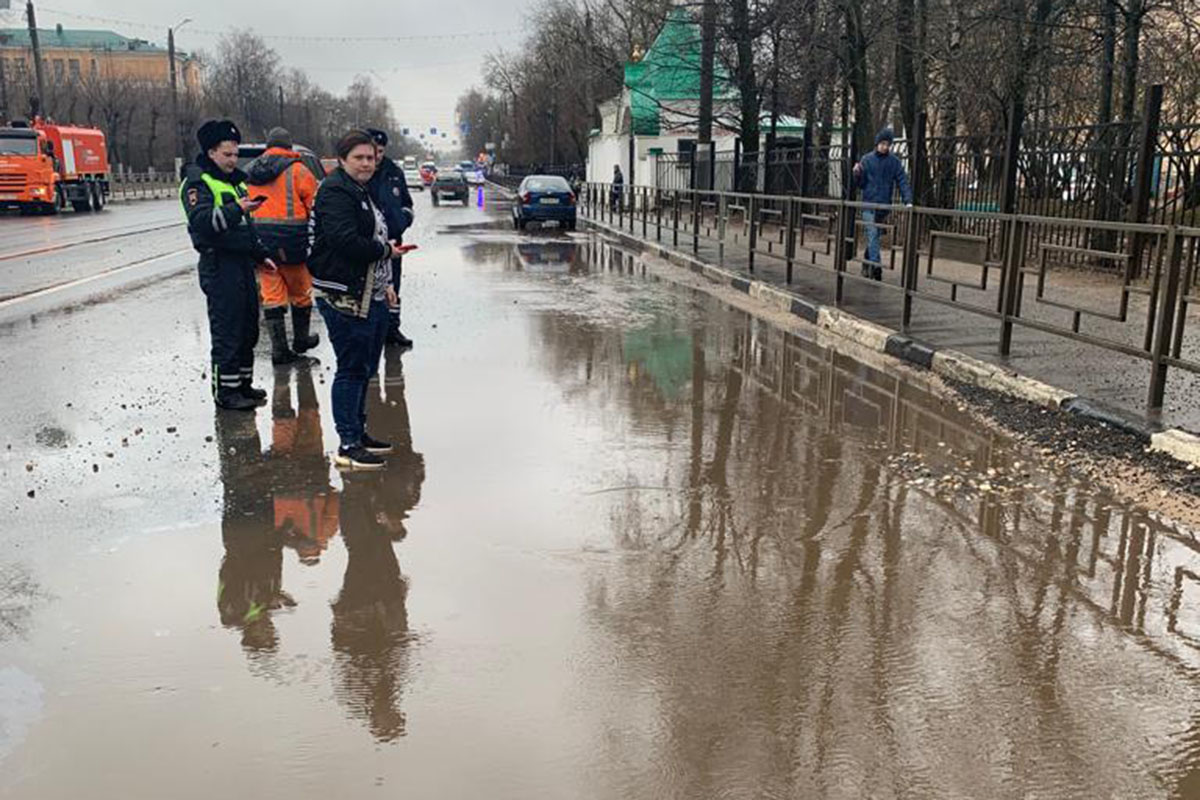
pixel 73 56
pixel 657 110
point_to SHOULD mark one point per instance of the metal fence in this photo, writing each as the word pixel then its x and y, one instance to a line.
pixel 142 185
pixel 1125 287
pixel 1134 171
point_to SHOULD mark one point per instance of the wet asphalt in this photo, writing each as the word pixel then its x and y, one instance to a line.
pixel 633 543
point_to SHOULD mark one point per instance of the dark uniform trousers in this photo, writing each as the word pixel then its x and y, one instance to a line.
pixel 231 290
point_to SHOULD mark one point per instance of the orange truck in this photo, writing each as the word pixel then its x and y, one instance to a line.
pixel 46 166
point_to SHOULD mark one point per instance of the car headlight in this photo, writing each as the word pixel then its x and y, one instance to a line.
pixel 38 190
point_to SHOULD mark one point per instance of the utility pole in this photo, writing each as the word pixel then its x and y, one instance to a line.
pixel 179 142
pixel 281 106
pixel 708 49
pixel 3 92
pixel 704 147
pixel 36 103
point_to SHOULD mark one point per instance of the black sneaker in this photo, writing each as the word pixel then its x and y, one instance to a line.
pixel 358 458
pixel 373 445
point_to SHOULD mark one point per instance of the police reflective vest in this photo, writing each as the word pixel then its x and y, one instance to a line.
pixel 219 189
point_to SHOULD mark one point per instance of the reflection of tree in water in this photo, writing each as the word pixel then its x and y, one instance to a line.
pixel 370 633
pixel 816 627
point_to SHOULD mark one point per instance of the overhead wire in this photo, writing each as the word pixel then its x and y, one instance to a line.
pixel 303 38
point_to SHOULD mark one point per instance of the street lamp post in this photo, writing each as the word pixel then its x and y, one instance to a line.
pixel 179 144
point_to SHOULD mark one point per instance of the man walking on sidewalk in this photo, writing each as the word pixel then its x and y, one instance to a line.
pixel 879 174
pixel 618 188
pixel 282 222
pixel 389 190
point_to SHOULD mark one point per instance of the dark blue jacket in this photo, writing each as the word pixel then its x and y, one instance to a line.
pixel 389 191
pixel 879 176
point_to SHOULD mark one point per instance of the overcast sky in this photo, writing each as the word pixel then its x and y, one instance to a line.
pixel 423 78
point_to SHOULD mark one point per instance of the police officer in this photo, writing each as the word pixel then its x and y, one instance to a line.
pixel 389 189
pixel 218 211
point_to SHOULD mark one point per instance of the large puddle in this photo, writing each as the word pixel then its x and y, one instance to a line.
pixel 634 543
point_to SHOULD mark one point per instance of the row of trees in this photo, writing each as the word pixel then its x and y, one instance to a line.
pixel 866 62
pixel 244 80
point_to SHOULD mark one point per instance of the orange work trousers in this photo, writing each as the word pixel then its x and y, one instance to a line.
pixel 288 285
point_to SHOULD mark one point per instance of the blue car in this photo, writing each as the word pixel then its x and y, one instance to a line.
pixel 544 198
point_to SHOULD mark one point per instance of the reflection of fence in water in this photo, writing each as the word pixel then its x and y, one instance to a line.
pixel 1128 566
pixel 1105 284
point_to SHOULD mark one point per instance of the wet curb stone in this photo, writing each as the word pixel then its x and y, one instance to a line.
pixel 945 363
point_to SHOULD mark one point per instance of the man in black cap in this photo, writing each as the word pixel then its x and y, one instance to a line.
pixel 389 190
pixel 218 211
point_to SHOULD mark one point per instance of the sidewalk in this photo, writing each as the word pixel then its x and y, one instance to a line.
pixel 1101 376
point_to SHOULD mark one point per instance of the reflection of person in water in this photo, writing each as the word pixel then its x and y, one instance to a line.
pixel 306 506
pixel 250 579
pixel 370 634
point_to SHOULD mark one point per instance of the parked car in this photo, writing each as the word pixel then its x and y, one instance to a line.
pixel 412 177
pixel 429 172
pixel 471 172
pixel 544 198
pixel 450 184
pixel 249 152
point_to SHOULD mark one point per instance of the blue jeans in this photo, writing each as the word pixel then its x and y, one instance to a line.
pixel 358 344
pixel 872 219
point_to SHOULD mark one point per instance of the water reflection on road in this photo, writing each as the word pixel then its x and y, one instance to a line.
pixel 663 549
pixel 280 499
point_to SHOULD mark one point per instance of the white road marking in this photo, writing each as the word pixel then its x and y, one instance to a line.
pixel 62 287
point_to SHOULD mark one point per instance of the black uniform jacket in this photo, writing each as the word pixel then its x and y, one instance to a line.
pixel 220 229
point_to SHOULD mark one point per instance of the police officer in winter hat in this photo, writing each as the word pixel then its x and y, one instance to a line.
pixel 389 190
pixel 218 210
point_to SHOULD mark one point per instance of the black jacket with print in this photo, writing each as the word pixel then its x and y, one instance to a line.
pixel 343 246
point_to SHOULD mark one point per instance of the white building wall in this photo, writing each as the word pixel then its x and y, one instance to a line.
pixel 604 150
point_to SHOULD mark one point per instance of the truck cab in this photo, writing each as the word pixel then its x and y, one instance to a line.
pixel 28 179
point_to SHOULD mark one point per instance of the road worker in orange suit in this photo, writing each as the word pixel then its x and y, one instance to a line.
pixel 282 224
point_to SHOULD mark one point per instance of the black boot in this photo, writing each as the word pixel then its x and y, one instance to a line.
pixel 394 336
pixel 234 400
pixel 302 340
pixel 277 329
pixel 259 396
pixel 246 387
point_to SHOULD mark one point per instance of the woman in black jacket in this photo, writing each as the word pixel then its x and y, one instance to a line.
pixel 351 265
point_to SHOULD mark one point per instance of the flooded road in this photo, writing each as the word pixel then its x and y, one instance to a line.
pixel 634 543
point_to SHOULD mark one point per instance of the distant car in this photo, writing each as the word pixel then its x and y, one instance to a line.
pixel 450 184
pixel 249 152
pixel 412 177
pixel 544 198
pixel 471 172
pixel 429 171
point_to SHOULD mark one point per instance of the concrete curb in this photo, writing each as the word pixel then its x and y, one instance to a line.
pixel 945 363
